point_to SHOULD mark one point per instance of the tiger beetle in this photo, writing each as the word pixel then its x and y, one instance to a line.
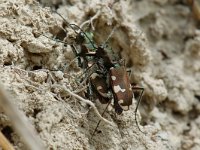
pixel 109 80
pixel 111 76
pixel 118 82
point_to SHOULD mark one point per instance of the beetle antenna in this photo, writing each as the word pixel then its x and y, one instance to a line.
pixel 71 26
pixel 100 120
pixel 57 40
pixel 109 36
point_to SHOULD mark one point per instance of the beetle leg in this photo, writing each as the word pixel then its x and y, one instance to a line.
pixel 138 103
pixel 90 91
pixel 102 116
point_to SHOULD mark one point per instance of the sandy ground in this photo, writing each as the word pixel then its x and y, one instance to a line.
pixel 160 42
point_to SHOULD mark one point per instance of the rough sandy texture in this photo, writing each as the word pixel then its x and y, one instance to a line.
pixel 160 41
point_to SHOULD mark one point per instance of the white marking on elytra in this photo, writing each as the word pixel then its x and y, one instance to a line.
pixel 110 107
pixel 130 88
pixel 118 88
pixel 89 64
pixel 94 75
pixel 99 88
pixel 125 107
pixel 103 94
pixel 121 101
pixel 113 78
